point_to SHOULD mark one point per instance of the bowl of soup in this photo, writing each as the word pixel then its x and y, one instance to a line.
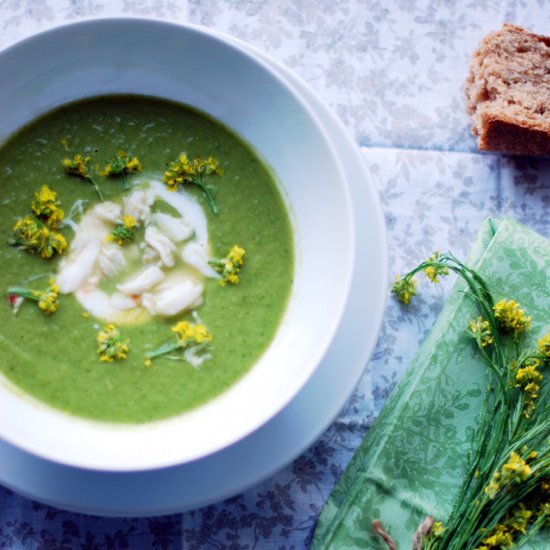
pixel 179 244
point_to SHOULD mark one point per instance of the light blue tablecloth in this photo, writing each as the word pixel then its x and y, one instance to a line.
pixel 394 73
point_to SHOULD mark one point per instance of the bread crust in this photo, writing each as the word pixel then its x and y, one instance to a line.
pixel 507 136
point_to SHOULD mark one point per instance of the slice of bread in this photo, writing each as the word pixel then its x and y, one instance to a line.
pixel 508 92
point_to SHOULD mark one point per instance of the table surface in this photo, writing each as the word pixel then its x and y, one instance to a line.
pixel 394 73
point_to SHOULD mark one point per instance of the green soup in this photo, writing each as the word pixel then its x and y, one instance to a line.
pixel 54 358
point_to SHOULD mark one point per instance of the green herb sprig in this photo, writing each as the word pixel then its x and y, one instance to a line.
pixel 122 165
pixel 78 166
pixel 185 171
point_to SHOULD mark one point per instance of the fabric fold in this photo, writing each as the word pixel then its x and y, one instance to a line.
pixel 412 461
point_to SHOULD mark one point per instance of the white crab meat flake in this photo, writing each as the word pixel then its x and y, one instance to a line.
pixel 173 298
pixel 143 281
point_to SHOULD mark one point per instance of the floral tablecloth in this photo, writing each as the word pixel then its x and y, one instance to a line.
pixel 393 72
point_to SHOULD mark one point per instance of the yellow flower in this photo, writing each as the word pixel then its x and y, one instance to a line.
pixel 186 172
pixel 236 254
pixel 511 317
pixel 46 207
pixel 438 529
pixel 544 346
pixel 519 519
pixel 129 221
pixel 51 243
pixel 122 164
pixel 26 230
pixel 500 537
pixel 480 329
pixel 493 487
pixel 30 234
pixel 133 165
pixel 516 469
pixel 404 288
pixel 188 333
pixel 48 300
pixel 110 345
pixel 528 379
pixel 124 232
pixel 45 195
pixel 528 374
pixel 230 266
pixel 433 271
pixel 77 166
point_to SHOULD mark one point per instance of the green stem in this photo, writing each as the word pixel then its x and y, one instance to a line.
pixel 23 292
pixel 169 347
pixel 208 194
pixel 97 189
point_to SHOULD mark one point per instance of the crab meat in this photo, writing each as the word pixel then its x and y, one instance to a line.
pixel 143 281
pixel 106 212
pixel 110 259
pixel 138 205
pixel 195 255
pixel 177 229
pixel 165 248
pixel 173 298
pixel 77 269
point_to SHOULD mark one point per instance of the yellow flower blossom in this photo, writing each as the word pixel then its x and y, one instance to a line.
pixel 187 333
pixel 122 164
pixel 528 379
pixel 500 537
pixel 124 232
pixel 494 486
pixel 434 271
pixel 185 172
pixel 515 470
pixel 110 345
pixel 46 207
pixel 45 195
pixel 511 317
pixel 78 166
pixel 519 519
pixel 230 266
pixel 33 236
pixel 438 529
pixel 129 221
pixel 544 346
pixel 480 329
pixel 404 288
pixel 46 300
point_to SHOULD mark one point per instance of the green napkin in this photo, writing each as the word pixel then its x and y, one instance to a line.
pixel 412 460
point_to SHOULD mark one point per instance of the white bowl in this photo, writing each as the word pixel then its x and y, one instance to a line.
pixel 154 58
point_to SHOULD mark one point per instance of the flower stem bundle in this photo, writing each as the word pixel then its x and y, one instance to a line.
pixel 504 499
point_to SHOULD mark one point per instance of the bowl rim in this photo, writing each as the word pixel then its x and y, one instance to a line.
pixel 146 464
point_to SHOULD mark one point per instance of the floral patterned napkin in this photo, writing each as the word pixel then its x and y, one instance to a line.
pixel 413 458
